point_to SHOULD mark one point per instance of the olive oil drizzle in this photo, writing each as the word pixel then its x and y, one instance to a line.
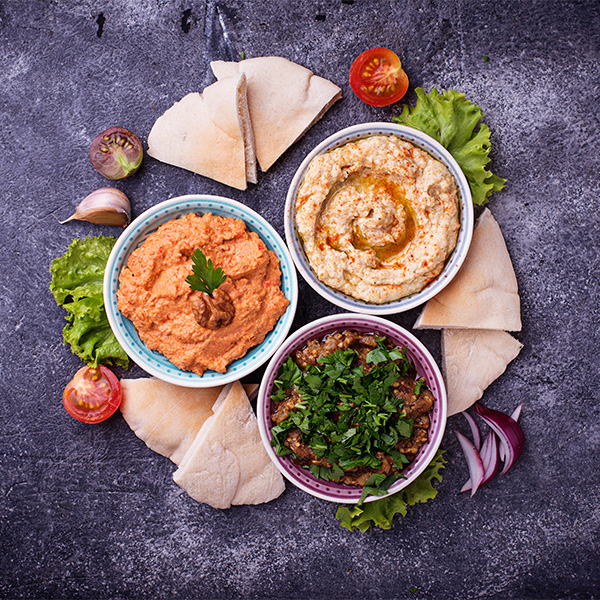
pixel 388 187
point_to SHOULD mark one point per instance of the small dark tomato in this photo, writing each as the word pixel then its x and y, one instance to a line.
pixel 116 153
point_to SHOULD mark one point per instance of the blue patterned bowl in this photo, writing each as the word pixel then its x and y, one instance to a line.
pixel 155 363
pixel 422 141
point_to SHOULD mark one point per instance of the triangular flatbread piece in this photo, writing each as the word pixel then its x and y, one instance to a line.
pixel 484 293
pixel 284 98
pixel 209 134
pixel 167 417
pixel 471 360
pixel 227 463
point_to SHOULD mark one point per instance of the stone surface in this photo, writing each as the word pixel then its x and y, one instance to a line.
pixel 90 512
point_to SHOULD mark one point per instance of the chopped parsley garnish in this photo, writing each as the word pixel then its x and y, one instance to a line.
pixel 347 413
pixel 205 277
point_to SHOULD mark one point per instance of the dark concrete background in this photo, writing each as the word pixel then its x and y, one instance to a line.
pixel 90 512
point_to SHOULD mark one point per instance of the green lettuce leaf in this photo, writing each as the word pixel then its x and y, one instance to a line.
pixel 77 282
pixel 451 119
pixel 381 512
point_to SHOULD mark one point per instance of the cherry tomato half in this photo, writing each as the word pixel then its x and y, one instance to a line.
pixel 93 395
pixel 377 78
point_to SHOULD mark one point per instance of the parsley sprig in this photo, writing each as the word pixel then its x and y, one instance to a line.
pixel 347 413
pixel 205 277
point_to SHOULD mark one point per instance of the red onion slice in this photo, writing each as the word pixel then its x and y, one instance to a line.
pixel 466 487
pixel 474 429
pixel 517 412
pixel 473 460
pixel 515 415
pixel 490 457
pixel 508 430
pixel 490 460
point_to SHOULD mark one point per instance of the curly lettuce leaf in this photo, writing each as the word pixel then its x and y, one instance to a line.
pixel 451 119
pixel 380 513
pixel 77 283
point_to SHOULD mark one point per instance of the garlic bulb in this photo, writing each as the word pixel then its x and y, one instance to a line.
pixel 106 206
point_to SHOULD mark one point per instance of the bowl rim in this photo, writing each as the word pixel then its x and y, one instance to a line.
pixel 334 323
pixel 137 232
pixel 453 263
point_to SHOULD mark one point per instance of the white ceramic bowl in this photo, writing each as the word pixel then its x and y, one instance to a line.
pixel 453 263
pixel 155 363
pixel 426 367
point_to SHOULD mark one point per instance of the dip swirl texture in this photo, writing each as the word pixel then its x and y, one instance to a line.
pixel 378 218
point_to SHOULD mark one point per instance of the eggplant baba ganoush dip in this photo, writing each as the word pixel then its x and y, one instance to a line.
pixel 378 218
pixel 196 330
pixel 352 409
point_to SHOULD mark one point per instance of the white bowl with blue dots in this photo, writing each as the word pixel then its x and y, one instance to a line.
pixel 454 262
pixel 136 233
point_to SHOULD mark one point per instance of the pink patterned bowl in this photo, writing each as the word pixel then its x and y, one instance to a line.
pixel 425 366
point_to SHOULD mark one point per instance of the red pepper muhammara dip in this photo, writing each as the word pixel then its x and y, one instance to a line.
pixel 193 330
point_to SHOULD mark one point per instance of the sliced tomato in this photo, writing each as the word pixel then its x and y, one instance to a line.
pixel 377 77
pixel 93 395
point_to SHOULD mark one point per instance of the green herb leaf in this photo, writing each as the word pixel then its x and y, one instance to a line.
pixel 377 356
pixel 289 375
pixel 404 427
pixel 451 119
pixel 205 277
pixel 77 286
pixel 419 385
pixel 380 513
pixel 377 485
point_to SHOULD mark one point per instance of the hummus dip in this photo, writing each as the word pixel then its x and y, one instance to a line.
pixel 154 295
pixel 378 218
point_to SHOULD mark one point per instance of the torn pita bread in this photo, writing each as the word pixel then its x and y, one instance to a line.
pixel 209 134
pixel 285 100
pixel 471 360
pixel 227 463
pixel 484 293
pixel 167 417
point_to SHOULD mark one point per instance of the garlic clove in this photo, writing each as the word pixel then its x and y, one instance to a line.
pixel 106 206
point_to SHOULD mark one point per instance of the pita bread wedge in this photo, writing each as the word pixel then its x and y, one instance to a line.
pixel 227 463
pixel 209 134
pixel 471 360
pixel 484 293
pixel 166 417
pixel 285 100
